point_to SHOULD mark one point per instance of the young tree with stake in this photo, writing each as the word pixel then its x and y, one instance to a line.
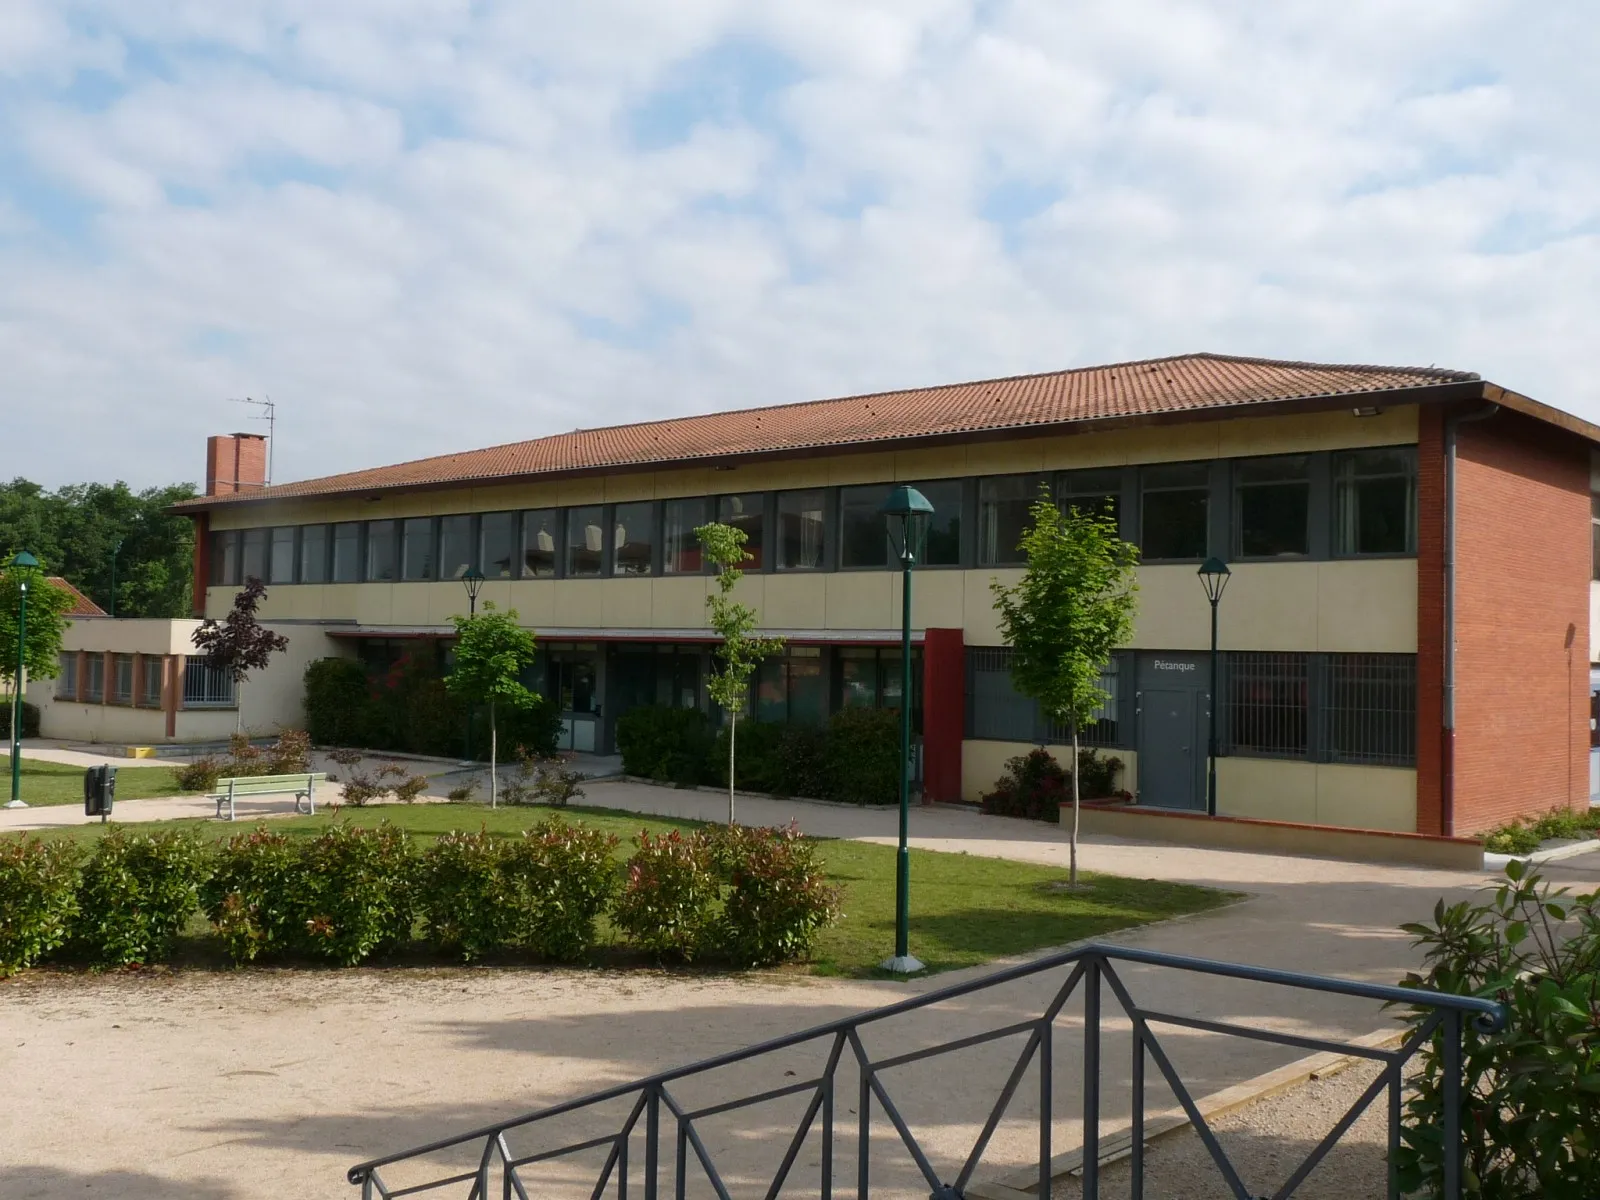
pixel 240 644
pixel 492 651
pixel 1072 607
pixel 740 651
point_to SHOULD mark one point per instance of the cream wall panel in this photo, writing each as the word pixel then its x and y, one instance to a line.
pixel 679 601
pixel 1268 606
pixel 672 485
pixel 1367 797
pixel 631 485
pixel 274 699
pixel 933 462
pixel 861 600
pixel 579 603
pixel 375 605
pixel 447 598
pixel 1005 458
pixel 1367 606
pixel 980 622
pixel 112 723
pixel 498 592
pixel 1316 431
pixel 938 600
pixel 138 635
pixel 587 490
pixel 752 590
pixel 626 603
pixel 409 603
pixel 1173 613
pixel 795 601
pixel 1267 788
pixel 861 468
pixel 536 600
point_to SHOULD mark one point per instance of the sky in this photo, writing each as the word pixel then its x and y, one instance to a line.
pixel 421 226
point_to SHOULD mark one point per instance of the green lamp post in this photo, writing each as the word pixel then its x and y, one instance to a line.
pixel 24 560
pixel 907 511
pixel 473 581
pixel 1214 575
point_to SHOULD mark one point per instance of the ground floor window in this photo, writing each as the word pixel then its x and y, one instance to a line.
pixel 205 686
pixel 1350 708
pixel 1372 708
pixel 122 679
pixel 67 675
pixel 1265 703
pixel 94 691
pixel 150 681
pixel 997 711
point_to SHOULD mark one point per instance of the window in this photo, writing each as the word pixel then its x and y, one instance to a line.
pixel 1272 507
pixel 1175 508
pixel 792 688
pixel 800 531
pixel 381 551
pixel 205 686
pixel 280 562
pixel 680 549
pixel 746 512
pixel 1102 731
pixel 150 669
pixel 94 689
pixel 585 540
pixel 1372 708
pixel 455 546
pixel 1003 503
pixel 1091 492
pixel 1266 703
pixel 418 550
pixel 943 545
pixel 635 538
pixel 225 558
pixel 540 529
pixel 997 711
pixel 253 554
pixel 1375 502
pixel 863 529
pixel 347 552
pixel 67 675
pixel 314 554
pixel 858 677
pixel 497 553
pixel 122 679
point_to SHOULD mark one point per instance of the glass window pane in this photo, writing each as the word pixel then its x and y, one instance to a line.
pixel 634 538
pixel 225 558
pixel 808 698
pixel 1175 508
pixel 585 540
pixel 943 545
pixel 314 554
pixel 150 695
pixel 746 512
pixel 347 552
pixel 496 549
pixel 1374 502
pixel 67 675
pixel 1003 504
pixel 858 677
pixel 419 548
pixel 800 530
pixel 281 565
pixel 96 678
pixel 455 546
pixel 1272 507
pixel 772 690
pixel 253 554
pixel 681 549
pixel 863 529
pixel 1091 492
pixel 381 551
pixel 540 529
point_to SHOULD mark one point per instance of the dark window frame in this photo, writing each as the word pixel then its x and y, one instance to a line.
pixel 1410 475
pixel 1206 486
pixel 1239 485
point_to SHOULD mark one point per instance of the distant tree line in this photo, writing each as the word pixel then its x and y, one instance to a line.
pixel 74 530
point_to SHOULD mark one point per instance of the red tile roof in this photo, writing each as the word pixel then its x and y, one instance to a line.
pixel 82 606
pixel 1163 387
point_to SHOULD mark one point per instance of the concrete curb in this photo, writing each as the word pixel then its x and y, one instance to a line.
pixel 1572 849
pixel 1024 1185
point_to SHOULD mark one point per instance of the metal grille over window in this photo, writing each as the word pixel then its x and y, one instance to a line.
pixel 122 679
pixel 205 686
pixel 996 711
pixel 1102 731
pixel 67 676
pixel 1266 703
pixel 1372 709
pixel 150 684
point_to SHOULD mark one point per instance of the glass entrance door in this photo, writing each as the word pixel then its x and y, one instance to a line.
pixel 574 676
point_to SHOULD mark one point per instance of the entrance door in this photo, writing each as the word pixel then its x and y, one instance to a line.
pixel 1168 754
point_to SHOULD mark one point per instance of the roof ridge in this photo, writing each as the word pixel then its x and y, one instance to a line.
pixel 1447 373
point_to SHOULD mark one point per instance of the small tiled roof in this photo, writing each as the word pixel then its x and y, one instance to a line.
pixel 82 606
pixel 1192 383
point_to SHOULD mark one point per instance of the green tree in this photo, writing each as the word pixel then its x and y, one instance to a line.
pixel 1072 607
pixel 47 606
pixel 492 651
pixel 740 652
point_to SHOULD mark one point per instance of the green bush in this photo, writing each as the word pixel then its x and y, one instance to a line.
pixel 338 697
pixel 778 896
pixel 669 901
pixel 1034 787
pixel 137 894
pixel 255 895
pixel 466 894
pixel 38 899
pixel 863 756
pixel 802 762
pixel 359 892
pixel 757 765
pixel 536 729
pixel 1098 775
pixel 289 755
pixel 667 744
pixel 563 877
pixel 1530 1097
pixel 30 720
pixel 1525 835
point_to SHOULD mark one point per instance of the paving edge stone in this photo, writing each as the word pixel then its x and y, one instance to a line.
pixel 1024 1185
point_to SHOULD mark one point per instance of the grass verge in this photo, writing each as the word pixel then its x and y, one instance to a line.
pixel 46 783
pixel 965 910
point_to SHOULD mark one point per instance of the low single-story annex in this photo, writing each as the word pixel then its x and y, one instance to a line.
pixel 1405 638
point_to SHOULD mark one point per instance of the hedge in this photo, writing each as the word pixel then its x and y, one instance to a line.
pixel 30 721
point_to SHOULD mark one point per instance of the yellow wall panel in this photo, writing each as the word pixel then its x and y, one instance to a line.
pixel 1173 613
pixel 579 603
pixel 938 600
pixel 1367 797
pixel 679 601
pixel 408 603
pixel 1267 606
pixel 980 623
pixel 933 462
pixel 795 601
pixel 534 600
pixel 631 485
pixel 1367 606
pixel 1267 788
pixel 861 600
pixel 625 603
pixel 1005 458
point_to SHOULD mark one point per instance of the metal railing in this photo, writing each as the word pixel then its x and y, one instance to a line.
pixel 500 1172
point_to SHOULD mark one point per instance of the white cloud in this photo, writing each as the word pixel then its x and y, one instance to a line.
pixel 430 225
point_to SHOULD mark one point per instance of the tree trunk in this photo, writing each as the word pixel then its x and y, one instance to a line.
pixel 494 769
pixel 1072 875
pixel 733 730
pixel 238 707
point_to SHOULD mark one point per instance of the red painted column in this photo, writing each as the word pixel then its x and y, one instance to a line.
pixel 202 562
pixel 944 715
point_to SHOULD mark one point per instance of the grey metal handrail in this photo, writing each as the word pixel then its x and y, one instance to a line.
pixel 1090 965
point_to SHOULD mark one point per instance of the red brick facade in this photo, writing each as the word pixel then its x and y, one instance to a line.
pixel 1432 754
pixel 1523 569
pixel 944 717
pixel 235 462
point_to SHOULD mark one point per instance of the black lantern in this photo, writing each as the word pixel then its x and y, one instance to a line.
pixel 1214 575
pixel 908 511
pixel 473 582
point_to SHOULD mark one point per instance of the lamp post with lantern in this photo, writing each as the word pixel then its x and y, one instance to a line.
pixel 1214 575
pixel 24 561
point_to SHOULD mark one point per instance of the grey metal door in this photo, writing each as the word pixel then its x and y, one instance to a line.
pixel 1167 751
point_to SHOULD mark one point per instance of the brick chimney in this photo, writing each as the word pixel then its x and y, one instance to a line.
pixel 235 462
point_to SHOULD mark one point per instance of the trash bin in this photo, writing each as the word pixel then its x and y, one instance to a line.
pixel 99 791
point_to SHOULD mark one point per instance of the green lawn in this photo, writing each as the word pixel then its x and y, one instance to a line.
pixel 965 910
pixel 56 783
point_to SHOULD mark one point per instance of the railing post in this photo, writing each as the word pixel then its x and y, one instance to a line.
pixel 1136 1165
pixel 1394 1132
pixel 652 1138
pixel 1091 1081
pixel 826 1183
pixel 1046 1105
pixel 1452 1105
pixel 864 1142
pixel 682 1176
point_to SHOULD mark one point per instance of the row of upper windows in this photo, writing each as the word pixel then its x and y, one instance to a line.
pixel 1312 505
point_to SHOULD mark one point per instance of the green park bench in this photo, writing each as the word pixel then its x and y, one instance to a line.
pixel 301 787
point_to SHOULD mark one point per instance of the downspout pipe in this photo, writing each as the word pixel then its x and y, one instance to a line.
pixel 1447 798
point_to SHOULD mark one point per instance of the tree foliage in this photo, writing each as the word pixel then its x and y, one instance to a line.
pixel 47 607
pixel 492 651
pixel 1072 607
pixel 76 528
pixel 239 643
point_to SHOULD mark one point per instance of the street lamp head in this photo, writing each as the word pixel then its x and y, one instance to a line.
pixel 473 582
pixel 907 511
pixel 1214 575
pixel 24 559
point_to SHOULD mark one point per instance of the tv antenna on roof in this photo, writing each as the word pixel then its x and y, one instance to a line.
pixel 269 414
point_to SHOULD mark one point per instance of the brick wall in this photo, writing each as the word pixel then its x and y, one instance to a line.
pixel 1523 566
pixel 235 462
pixel 1430 619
